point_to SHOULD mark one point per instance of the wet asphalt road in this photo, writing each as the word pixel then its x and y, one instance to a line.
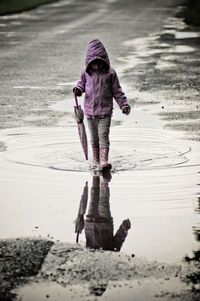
pixel 45 47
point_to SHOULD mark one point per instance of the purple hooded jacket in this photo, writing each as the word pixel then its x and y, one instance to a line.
pixel 100 87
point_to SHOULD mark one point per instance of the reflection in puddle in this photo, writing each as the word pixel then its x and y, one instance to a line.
pixel 98 222
pixel 71 271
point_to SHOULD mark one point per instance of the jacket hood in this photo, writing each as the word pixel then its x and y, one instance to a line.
pixel 96 50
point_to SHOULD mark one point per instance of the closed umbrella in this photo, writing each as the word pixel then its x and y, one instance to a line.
pixel 79 116
pixel 82 208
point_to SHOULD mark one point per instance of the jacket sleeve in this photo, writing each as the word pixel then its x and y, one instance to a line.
pixel 119 237
pixel 81 83
pixel 118 94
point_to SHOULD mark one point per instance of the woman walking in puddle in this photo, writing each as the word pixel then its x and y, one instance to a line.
pixel 100 83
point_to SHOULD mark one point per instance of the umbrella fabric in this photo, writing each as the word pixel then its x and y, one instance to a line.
pixel 79 223
pixel 79 116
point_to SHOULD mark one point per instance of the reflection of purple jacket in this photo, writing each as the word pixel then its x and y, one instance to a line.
pixel 100 88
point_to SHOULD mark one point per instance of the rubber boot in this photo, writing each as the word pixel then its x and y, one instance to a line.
pixel 104 165
pixel 96 161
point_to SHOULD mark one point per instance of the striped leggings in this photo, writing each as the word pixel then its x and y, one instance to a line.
pixel 99 128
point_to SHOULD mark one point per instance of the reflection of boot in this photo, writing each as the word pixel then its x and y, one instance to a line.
pixel 107 176
pixel 104 151
pixel 96 162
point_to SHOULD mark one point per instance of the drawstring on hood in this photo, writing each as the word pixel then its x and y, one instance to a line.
pixel 96 51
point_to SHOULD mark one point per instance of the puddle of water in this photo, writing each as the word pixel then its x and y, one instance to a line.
pixel 66 105
pixel 16 23
pixel 140 43
pixel 159 186
pixel 144 48
pixel 23 15
pixel 33 118
pixel 164 65
pixel 66 84
pixel 40 11
pixel 186 34
pixel 141 48
pixel 181 49
pixel 7 33
pixel 32 87
pixel 56 87
pixel 152 290
pixel 53 291
pixel 60 3
pixel 129 62
pixel 147 149
pixel 13 43
pixel 175 23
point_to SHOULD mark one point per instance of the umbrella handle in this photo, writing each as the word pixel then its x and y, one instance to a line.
pixel 76 99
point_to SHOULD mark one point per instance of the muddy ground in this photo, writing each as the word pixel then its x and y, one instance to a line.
pixel 159 68
pixel 89 273
pixel 100 270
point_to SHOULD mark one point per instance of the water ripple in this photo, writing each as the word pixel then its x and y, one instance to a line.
pixel 131 149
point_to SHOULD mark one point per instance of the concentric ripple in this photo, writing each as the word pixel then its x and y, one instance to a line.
pixel 59 148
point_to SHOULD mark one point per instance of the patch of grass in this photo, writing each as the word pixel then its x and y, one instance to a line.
pixel 14 6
